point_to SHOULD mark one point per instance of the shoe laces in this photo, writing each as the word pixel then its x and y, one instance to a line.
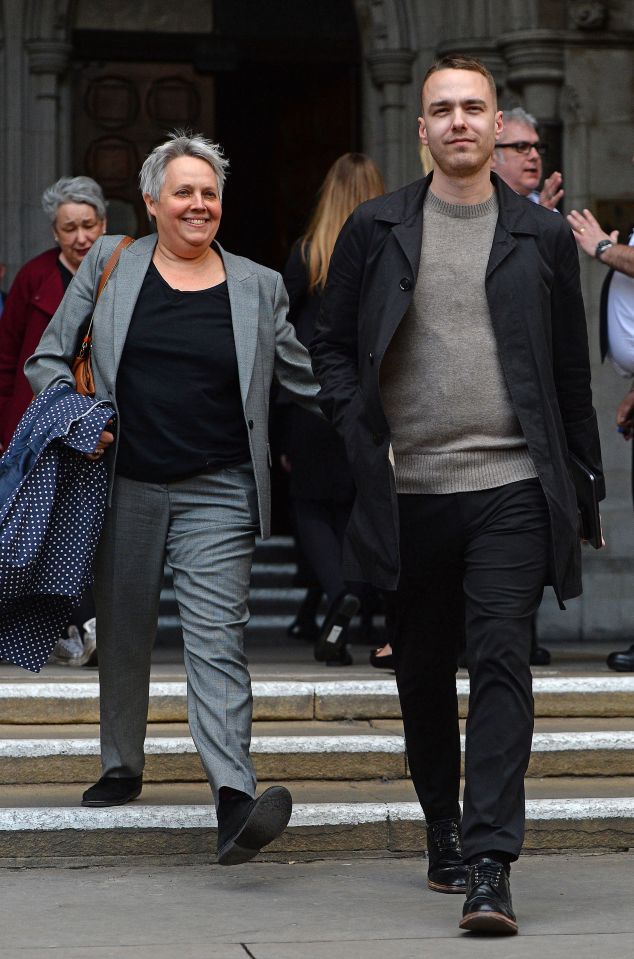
pixel 489 872
pixel 445 834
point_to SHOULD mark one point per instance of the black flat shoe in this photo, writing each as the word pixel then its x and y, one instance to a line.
pixel 246 825
pixel 539 656
pixel 305 628
pixel 488 907
pixel 342 657
pixel 623 661
pixel 447 871
pixel 381 662
pixel 113 792
pixel 332 638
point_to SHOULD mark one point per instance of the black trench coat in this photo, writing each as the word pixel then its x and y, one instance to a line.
pixel 534 297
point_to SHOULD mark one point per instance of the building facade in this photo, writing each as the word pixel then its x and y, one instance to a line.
pixel 89 86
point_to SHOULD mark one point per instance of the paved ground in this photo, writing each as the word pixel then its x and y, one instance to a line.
pixel 567 906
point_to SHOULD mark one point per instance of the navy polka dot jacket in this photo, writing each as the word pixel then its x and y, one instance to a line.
pixel 52 507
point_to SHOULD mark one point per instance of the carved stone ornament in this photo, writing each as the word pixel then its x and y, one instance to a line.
pixel 588 14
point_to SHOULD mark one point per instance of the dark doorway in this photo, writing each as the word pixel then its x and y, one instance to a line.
pixel 276 84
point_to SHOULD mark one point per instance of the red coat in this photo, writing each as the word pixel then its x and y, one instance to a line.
pixel 33 298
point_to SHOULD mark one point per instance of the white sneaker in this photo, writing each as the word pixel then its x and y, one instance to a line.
pixel 90 642
pixel 70 650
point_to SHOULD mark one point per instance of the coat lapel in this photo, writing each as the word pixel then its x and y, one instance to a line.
pixel 512 221
pixel 128 276
pixel 244 297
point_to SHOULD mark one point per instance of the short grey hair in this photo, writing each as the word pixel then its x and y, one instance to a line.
pixel 73 189
pixel 181 143
pixel 520 115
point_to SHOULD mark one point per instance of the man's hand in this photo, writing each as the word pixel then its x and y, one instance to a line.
pixel 625 416
pixel 588 232
pixel 104 442
pixel 552 191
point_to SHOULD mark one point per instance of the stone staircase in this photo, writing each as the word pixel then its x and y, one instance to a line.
pixel 338 744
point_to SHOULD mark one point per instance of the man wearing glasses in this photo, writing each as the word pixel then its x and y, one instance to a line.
pixel 517 158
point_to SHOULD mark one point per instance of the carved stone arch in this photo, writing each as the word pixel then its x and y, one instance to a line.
pixel 49 21
pixel 393 24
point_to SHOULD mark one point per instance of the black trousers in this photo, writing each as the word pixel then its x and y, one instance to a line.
pixel 320 526
pixel 473 568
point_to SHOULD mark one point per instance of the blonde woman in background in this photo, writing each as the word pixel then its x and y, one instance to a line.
pixel 321 486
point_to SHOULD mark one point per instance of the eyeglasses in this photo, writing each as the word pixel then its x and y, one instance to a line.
pixel 523 147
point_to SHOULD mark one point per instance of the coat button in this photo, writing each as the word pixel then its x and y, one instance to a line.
pixel 371 358
pixel 405 284
pixel 250 424
pixel 378 438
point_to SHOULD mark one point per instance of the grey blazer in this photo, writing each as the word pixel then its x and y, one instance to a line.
pixel 265 341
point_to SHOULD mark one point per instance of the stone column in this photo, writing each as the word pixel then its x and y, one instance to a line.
pixel 48 61
pixel 391 72
pixel 535 61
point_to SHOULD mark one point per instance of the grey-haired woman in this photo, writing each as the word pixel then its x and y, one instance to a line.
pixel 186 340
pixel 76 209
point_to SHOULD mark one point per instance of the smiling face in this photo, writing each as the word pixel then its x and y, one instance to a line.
pixel 188 210
pixel 76 228
pixel 522 172
pixel 460 123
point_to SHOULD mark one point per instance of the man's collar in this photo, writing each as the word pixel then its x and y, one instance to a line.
pixel 514 211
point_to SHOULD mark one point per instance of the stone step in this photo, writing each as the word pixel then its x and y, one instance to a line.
pixel 54 834
pixel 316 751
pixel 58 701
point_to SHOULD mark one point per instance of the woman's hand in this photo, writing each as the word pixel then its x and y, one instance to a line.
pixel 103 443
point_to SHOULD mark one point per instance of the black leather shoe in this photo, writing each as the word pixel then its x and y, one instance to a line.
pixel 332 638
pixel 447 871
pixel 113 792
pixel 539 656
pixel 342 657
pixel 382 662
pixel 623 661
pixel 245 825
pixel 488 907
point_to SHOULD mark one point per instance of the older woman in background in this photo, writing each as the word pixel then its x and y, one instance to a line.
pixel 187 357
pixel 76 209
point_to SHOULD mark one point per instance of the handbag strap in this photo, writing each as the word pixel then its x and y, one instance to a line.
pixel 112 262
pixel 108 270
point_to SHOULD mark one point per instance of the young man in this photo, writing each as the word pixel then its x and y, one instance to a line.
pixel 453 357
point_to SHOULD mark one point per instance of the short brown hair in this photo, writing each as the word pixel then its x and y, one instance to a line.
pixel 460 61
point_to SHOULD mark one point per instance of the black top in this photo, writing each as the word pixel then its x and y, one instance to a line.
pixel 177 386
pixel 65 274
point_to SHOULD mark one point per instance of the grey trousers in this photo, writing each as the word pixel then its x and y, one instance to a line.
pixel 204 528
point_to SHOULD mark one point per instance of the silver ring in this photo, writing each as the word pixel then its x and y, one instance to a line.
pixel 98 452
